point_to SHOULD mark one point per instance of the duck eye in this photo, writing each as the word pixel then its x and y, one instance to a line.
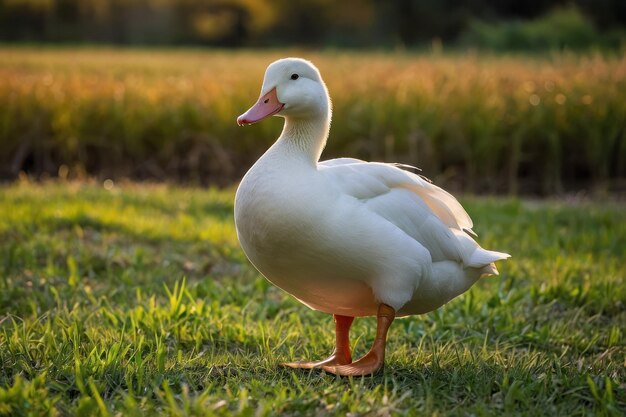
pixel 294 76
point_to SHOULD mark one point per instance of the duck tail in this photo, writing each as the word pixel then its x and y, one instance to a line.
pixel 476 257
pixel 483 258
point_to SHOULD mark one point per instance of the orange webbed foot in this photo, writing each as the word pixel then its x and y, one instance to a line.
pixel 367 365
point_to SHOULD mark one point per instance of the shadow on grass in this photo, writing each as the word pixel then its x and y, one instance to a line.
pixel 89 223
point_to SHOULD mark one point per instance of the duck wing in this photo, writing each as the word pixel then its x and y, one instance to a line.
pixel 427 213
pixel 368 179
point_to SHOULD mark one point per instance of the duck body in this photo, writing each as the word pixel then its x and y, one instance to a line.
pixel 341 238
pixel 345 236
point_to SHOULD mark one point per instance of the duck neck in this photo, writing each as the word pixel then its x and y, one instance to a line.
pixel 305 138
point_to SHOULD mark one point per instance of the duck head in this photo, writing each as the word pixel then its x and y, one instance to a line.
pixel 293 89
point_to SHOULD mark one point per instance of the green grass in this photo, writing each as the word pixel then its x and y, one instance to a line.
pixel 138 301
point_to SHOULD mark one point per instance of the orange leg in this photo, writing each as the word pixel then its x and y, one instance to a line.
pixel 375 358
pixel 341 354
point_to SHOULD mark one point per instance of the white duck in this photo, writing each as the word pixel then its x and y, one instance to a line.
pixel 343 236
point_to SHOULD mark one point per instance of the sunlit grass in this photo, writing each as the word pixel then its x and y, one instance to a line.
pixel 137 300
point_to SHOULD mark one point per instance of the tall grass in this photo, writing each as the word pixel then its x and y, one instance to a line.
pixel 480 122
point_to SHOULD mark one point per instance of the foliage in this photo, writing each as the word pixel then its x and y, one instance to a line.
pixel 562 28
pixel 362 23
pixel 475 122
pixel 136 300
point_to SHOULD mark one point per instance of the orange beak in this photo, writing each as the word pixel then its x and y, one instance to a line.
pixel 268 105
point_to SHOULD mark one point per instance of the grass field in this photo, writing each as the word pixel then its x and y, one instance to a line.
pixel 136 300
pixel 478 122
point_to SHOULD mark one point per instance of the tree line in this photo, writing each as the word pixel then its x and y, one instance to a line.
pixel 250 23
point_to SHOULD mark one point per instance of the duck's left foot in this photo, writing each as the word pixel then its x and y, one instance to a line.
pixel 367 365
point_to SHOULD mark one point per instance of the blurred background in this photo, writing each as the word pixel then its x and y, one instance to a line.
pixel 485 96
pixel 350 23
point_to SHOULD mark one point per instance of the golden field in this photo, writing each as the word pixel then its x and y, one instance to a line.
pixel 477 122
